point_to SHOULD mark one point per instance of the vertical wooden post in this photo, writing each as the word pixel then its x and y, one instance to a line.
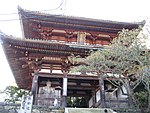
pixel 65 80
pixel 102 92
pixel 94 97
pixel 64 93
pixel 34 87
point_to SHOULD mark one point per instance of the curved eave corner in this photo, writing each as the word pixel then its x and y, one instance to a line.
pixel 21 76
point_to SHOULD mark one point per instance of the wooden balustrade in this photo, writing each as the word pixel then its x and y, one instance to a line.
pixel 48 100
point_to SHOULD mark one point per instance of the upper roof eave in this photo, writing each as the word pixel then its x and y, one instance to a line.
pixel 36 14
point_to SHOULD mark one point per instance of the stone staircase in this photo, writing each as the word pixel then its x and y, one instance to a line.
pixel 88 110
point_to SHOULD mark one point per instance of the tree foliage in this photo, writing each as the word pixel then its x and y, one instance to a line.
pixel 77 102
pixel 14 94
pixel 142 97
pixel 126 56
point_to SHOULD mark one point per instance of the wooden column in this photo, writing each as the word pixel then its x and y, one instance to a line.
pixel 94 97
pixel 102 92
pixel 64 93
pixel 34 87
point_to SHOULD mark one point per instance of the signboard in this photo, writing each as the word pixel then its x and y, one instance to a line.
pixel 98 96
pixel 81 37
pixel 26 104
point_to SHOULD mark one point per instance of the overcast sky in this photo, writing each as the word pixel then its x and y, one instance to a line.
pixel 116 10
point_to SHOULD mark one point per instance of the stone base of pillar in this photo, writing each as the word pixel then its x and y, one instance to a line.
pixel 64 101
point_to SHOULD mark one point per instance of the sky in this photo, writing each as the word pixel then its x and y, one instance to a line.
pixel 116 10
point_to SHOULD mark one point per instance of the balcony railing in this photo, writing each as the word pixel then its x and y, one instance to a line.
pixel 48 100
